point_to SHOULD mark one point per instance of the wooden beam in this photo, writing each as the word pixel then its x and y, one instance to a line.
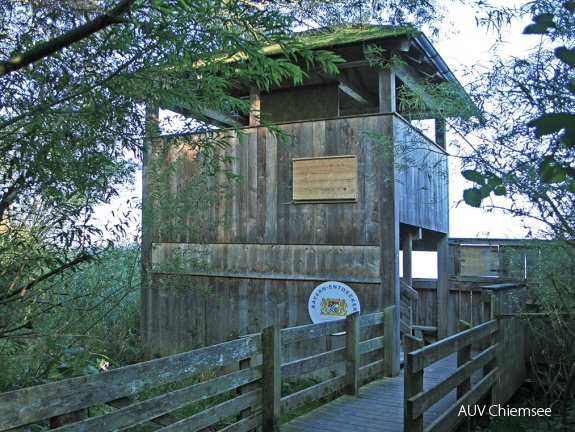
pixel 442 287
pixel 387 91
pixel 255 102
pixel 222 118
pixel 407 247
pixel 353 89
pixel 356 91
pixel 440 129
pixel 271 381
pixel 389 215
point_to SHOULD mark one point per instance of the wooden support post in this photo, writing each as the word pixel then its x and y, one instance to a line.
pixel 271 380
pixel 255 102
pixel 388 342
pixel 149 307
pixel 389 214
pixel 440 132
pixel 442 287
pixel 463 356
pixel 407 248
pixel 352 354
pixel 413 384
pixel 497 339
pixel 244 364
pixel 386 91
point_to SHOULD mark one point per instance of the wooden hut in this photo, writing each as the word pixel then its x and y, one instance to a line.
pixel 356 183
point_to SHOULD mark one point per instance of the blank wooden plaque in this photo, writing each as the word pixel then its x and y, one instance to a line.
pixel 325 179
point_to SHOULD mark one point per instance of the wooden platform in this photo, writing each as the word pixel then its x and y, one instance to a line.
pixel 378 408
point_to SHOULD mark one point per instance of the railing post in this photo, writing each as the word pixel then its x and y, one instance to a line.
pixel 498 339
pixel 352 354
pixel 271 380
pixel 412 385
pixel 388 345
pixel 463 356
pixel 244 364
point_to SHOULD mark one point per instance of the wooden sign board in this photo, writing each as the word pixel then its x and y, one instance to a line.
pixel 325 179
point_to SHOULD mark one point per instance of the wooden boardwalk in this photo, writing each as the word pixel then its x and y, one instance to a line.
pixel 378 408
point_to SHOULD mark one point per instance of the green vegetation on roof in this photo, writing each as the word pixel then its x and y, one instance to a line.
pixel 343 34
pixel 329 37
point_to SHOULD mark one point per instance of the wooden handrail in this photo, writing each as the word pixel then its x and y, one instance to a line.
pixel 257 385
pixel 408 291
pixel 430 354
pixel 418 400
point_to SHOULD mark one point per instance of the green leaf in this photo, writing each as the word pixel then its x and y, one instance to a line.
pixel 542 24
pixel 568 138
pixel 567 55
pixel 571 86
pixel 550 171
pixel 552 123
pixel 500 191
pixel 570 6
pixel 473 197
pixel 493 180
pixel 474 176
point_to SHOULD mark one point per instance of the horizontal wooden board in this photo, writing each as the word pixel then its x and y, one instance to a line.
pixel 303 397
pixel 311 331
pixel 217 413
pixel 310 364
pixel 139 412
pixel 32 404
pixel 266 261
pixel 331 179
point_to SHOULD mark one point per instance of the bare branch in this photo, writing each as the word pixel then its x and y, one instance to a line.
pixel 45 49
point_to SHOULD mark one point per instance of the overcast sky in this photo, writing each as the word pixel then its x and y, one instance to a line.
pixel 471 48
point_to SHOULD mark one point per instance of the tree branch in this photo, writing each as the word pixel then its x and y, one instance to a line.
pixel 19 293
pixel 45 49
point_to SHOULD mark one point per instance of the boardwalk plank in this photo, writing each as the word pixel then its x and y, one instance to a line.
pixel 378 408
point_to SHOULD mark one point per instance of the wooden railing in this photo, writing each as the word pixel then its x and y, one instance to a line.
pixel 248 371
pixel 408 299
pixel 418 400
pixel 408 323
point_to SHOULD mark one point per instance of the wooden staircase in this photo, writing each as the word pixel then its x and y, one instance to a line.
pixel 408 316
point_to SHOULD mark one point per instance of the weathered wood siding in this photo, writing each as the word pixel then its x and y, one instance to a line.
pixel 464 304
pixel 421 175
pixel 270 253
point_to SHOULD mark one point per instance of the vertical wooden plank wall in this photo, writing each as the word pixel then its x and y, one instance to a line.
pixel 421 173
pixel 272 253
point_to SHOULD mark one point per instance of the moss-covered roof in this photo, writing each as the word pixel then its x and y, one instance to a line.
pixel 329 37
pixel 344 34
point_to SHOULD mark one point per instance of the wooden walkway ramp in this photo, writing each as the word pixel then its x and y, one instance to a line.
pixel 378 408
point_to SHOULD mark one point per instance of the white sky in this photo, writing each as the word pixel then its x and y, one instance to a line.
pixel 469 48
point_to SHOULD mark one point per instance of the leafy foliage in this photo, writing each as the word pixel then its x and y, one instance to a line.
pixel 72 123
pixel 80 82
pixel 525 153
pixel 526 145
pixel 552 292
pixel 83 321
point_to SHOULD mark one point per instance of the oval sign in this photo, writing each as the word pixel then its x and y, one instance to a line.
pixel 332 301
